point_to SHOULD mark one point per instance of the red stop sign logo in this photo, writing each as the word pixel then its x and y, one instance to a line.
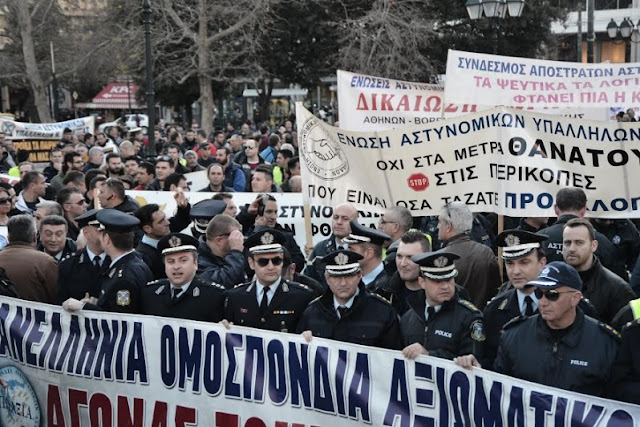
pixel 418 182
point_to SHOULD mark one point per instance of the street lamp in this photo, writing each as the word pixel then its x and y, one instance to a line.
pixel 623 33
pixel 495 10
pixel 146 13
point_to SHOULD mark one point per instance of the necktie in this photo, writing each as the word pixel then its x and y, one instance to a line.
pixel 431 312
pixel 342 310
pixel 528 311
pixel 175 292
pixel 96 263
pixel 264 304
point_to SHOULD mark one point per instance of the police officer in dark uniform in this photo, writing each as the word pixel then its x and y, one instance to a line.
pixel 561 347
pixel 625 238
pixel 626 371
pixel 78 274
pixel 347 311
pixel 369 242
pixel 439 323
pixel 202 212
pixel 122 282
pixel 269 301
pixel 182 294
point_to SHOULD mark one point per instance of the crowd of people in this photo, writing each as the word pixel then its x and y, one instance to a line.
pixel 565 315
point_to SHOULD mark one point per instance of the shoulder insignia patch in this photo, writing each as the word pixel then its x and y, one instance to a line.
pixel 285 286
pixel 196 291
pixel 123 298
pixel 477 331
pixel 516 320
pixel 469 305
pixel 159 290
pixel 381 298
pixel 609 330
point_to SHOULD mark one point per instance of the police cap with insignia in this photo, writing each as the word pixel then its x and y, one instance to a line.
pixel 116 221
pixel 437 266
pixel 362 234
pixel 88 218
pixel 202 212
pixel 342 263
pixel 517 244
pixel 177 242
pixel 265 241
pixel 556 274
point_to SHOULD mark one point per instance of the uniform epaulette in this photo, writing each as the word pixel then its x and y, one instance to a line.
pixel 315 299
pixel 218 285
pixel 153 282
pixel 381 298
pixel 513 322
pixel 239 285
pixel 610 330
pixel 299 285
pixel 68 256
pixel 469 305
pixel 632 324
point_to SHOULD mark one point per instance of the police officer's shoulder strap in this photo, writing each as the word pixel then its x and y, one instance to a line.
pixel 633 324
pixel 299 285
pixel 315 300
pixel 513 322
pixel 213 285
pixel 468 305
pixel 153 282
pixel 381 298
pixel 608 329
pixel 635 308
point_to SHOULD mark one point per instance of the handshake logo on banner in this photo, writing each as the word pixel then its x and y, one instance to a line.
pixel 321 152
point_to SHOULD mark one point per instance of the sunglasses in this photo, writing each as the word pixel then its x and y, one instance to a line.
pixel 249 148
pixel 5 200
pixel 263 262
pixel 551 295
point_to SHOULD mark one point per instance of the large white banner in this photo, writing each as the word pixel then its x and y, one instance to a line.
pixel 290 211
pixel 507 161
pixel 522 82
pixel 103 369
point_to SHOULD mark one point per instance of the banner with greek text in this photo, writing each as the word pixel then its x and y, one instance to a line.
pixel 90 368
pixel 290 211
pixel 376 103
pixel 40 138
pixel 521 82
pixel 502 160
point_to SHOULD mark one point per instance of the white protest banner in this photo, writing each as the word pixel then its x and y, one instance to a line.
pixel 290 211
pixel 502 160
pixel 522 82
pixel 40 138
pixel 369 103
pixel 107 369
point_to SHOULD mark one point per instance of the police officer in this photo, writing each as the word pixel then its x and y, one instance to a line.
pixel 625 238
pixel 439 323
pixel 126 276
pixel 182 294
pixel 524 260
pixel 78 274
pixel 269 301
pixel 368 242
pixel 561 347
pixel 347 311
pixel 626 370
pixel 202 212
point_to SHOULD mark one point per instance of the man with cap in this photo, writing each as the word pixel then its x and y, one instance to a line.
pixel 269 301
pixel 182 294
pixel 347 311
pixel 79 273
pixel 561 347
pixel 202 212
pixel 439 323
pixel 122 282
pixel 368 242
pixel 221 252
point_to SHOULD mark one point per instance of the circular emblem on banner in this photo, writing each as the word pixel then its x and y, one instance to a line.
pixel 321 152
pixel 18 402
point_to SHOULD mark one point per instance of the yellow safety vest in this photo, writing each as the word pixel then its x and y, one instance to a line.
pixel 635 308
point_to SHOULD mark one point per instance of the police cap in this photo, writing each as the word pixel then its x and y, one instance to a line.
pixel 437 266
pixel 342 263
pixel 119 222
pixel 177 242
pixel 202 212
pixel 88 218
pixel 556 274
pixel 517 244
pixel 362 234
pixel 265 241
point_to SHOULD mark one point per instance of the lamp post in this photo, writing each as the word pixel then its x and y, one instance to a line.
pixel 623 33
pixel 494 10
pixel 146 13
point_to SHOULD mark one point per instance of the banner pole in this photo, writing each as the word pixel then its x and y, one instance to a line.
pixel 308 232
pixel 500 261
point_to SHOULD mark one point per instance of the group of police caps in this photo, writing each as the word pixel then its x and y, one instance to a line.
pixel 539 327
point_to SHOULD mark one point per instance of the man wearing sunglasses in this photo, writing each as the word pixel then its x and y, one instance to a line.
pixel 347 311
pixel 561 347
pixel 269 301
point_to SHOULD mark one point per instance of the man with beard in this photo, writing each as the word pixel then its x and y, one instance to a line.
pixel 439 323
pixel 164 168
pixel 112 195
pixel 182 294
pixel 114 166
pixel 234 177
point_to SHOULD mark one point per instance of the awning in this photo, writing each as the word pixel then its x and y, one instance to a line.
pixel 114 96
